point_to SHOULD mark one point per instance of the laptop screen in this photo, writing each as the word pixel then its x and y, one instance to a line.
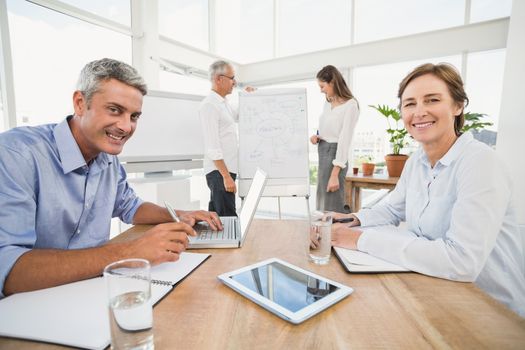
pixel 249 204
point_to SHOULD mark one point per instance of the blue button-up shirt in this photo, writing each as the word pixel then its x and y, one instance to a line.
pixel 50 197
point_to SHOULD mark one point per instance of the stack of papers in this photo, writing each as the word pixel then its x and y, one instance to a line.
pixel 356 261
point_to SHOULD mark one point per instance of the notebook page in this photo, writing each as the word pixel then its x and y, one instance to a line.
pixel 357 261
pixel 76 314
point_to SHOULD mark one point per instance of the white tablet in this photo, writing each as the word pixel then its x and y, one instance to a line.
pixel 286 290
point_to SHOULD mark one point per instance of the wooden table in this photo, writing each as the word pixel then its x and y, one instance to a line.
pixel 386 311
pixel 353 185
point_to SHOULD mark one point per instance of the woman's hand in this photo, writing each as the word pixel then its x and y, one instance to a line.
pixel 333 184
pixel 344 236
pixel 340 216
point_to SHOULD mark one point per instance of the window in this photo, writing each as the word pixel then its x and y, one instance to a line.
pixel 311 25
pixel 381 19
pixel 48 56
pixel 2 121
pixel 115 10
pixel 484 10
pixel 185 21
pixel 244 29
pixel 484 84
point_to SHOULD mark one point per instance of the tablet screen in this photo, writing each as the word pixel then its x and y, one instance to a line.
pixel 287 287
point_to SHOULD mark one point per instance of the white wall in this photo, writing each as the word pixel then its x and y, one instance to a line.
pixel 511 141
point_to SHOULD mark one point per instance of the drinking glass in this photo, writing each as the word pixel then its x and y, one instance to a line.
pixel 319 238
pixel 130 308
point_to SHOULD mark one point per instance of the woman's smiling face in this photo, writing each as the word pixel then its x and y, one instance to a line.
pixel 428 110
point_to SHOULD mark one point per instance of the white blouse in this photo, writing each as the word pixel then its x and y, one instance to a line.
pixel 461 222
pixel 337 125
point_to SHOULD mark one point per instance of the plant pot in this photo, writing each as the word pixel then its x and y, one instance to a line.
pixel 368 169
pixel 395 164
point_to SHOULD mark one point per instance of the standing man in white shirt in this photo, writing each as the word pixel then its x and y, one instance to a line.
pixel 220 139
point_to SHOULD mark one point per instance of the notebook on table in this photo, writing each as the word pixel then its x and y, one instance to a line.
pixel 76 314
pixel 358 262
pixel 235 228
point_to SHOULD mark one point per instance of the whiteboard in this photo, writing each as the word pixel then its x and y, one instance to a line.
pixel 168 129
pixel 273 135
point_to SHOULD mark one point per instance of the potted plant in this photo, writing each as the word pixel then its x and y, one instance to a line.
pixel 367 166
pixel 472 122
pixel 395 161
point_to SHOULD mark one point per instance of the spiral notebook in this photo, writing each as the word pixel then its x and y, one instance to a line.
pixel 76 314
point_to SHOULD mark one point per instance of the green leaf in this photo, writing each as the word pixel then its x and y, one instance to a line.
pixel 398 132
pixel 472 122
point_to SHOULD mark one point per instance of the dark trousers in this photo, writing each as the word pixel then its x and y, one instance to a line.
pixel 221 202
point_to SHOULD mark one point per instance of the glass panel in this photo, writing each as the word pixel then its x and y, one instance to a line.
pixel 381 19
pixel 185 21
pixel 484 10
pixel 183 84
pixel 378 85
pixel 115 10
pixel 2 122
pixel 244 30
pixel 311 25
pixel 1 107
pixel 484 85
pixel 48 57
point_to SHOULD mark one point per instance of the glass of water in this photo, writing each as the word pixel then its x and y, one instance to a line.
pixel 130 308
pixel 320 236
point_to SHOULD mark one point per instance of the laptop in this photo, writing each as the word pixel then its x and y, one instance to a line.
pixel 235 228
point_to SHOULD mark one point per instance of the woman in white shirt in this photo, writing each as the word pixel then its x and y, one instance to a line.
pixel 454 194
pixel 336 129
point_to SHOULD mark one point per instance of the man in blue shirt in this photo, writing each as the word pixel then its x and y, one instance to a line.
pixel 62 183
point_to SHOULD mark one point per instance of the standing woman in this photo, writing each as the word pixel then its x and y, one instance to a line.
pixel 336 129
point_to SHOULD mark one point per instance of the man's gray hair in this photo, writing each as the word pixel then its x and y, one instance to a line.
pixel 105 69
pixel 218 68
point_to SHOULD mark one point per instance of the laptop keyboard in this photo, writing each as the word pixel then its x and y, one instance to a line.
pixel 205 233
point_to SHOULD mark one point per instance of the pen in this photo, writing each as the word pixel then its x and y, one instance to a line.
pixel 172 212
pixel 343 220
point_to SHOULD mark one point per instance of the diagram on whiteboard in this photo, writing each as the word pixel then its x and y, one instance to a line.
pixel 273 133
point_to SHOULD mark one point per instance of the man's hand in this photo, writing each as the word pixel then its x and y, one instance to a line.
pixel 229 184
pixel 161 243
pixel 344 236
pixel 314 139
pixel 192 217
